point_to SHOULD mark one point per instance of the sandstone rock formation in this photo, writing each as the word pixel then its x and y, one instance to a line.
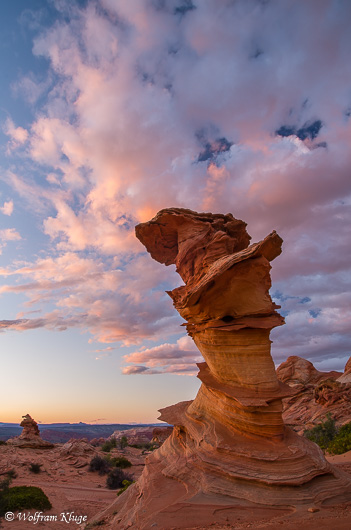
pixel 229 446
pixel 134 436
pixel 30 436
pixel 160 434
pixel 77 453
pixel 346 376
pixel 317 393
pixel 96 442
pixel 299 372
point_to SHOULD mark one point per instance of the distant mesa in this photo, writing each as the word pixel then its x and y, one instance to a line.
pixel 30 436
pixel 229 449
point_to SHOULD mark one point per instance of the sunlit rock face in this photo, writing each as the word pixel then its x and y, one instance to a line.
pixel 230 445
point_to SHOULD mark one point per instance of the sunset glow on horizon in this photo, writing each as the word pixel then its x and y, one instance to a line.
pixel 112 110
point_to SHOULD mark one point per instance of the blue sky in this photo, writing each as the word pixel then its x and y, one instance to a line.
pixel 111 110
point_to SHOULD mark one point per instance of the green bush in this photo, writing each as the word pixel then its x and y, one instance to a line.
pixel 116 477
pixel 126 484
pixel 145 447
pixel 35 468
pixel 108 445
pixel 119 461
pixel 342 441
pixel 323 433
pixel 23 497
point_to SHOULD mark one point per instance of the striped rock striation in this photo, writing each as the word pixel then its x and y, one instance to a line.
pixel 229 446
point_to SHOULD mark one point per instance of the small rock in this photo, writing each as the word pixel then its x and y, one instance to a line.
pixel 313 509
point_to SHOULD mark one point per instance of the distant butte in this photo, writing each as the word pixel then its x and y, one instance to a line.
pixel 230 449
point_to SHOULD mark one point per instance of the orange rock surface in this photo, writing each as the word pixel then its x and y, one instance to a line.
pixel 229 447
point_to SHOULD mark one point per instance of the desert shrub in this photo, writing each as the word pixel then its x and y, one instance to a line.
pixel 35 468
pixel 99 464
pixel 23 497
pixel 323 433
pixel 342 441
pixel 120 461
pixel 5 484
pixel 146 446
pixel 123 442
pixel 2 442
pixel 108 445
pixel 126 484
pixel 12 473
pixel 116 477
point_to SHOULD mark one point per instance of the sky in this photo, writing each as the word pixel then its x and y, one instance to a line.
pixel 111 110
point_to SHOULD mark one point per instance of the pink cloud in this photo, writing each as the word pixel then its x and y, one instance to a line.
pixel 86 293
pixel 139 92
pixel 179 358
pixel 7 208
pixel 6 235
pixel 18 135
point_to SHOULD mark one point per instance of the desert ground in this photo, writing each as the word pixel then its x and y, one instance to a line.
pixel 71 488
pixel 65 479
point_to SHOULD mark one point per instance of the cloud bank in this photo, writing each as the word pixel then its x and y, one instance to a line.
pixel 215 106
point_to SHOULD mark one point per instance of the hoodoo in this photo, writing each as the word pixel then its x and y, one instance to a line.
pixel 30 436
pixel 229 448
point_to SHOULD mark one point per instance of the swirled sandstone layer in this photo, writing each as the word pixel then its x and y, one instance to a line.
pixel 229 446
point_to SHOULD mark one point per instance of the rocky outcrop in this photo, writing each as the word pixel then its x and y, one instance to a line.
pixel 143 435
pixel 160 434
pixel 95 442
pixel 229 446
pixel 317 394
pixel 30 436
pixel 134 436
pixel 77 453
pixel 299 372
pixel 346 376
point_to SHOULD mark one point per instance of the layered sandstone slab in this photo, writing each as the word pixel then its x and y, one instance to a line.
pixel 229 447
